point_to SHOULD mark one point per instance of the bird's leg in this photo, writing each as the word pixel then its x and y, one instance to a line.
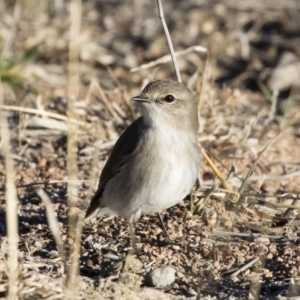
pixel 132 235
pixel 168 240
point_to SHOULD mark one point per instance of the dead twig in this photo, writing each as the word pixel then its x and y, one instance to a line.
pixel 53 222
pixel 49 182
pixel 275 177
pixel 106 101
pixel 224 182
pixel 244 183
pixel 43 113
pixel 73 84
pixel 167 58
pixel 11 207
pixel 172 53
pixel 244 235
pixel 10 37
pixel 245 267
pixel 204 81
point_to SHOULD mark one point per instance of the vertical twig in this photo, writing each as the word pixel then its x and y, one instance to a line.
pixel 292 109
pixel 274 101
pixel 73 84
pixel 162 18
pixel 204 80
pixel 6 53
pixel 11 207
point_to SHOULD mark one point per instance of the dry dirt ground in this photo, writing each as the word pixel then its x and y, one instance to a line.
pixel 227 248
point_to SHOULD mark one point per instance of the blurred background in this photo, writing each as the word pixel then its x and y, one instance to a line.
pixel 249 94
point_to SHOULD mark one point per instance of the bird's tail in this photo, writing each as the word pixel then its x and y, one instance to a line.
pixel 97 210
pixel 93 210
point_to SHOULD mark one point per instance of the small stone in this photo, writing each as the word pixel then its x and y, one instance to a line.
pixel 38 244
pixel 89 263
pixel 97 246
pixel 161 277
pixel 191 293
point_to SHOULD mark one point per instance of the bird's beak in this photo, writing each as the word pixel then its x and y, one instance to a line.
pixel 141 99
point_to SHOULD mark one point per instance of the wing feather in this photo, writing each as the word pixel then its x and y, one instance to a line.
pixel 125 145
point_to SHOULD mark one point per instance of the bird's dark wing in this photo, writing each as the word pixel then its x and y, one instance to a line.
pixel 124 146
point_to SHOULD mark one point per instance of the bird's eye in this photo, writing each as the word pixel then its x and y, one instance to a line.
pixel 169 98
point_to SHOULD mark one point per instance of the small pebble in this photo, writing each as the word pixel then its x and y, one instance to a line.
pixel 161 277
pixel 38 244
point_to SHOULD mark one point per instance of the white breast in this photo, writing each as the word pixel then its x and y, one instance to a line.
pixel 178 160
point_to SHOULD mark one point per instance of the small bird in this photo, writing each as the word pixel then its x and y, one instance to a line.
pixel 155 162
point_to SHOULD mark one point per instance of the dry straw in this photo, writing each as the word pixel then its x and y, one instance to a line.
pixel 171 48
pixel 52 220
pixel 11 207
pixel 75 224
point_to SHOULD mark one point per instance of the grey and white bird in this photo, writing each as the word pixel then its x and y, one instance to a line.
pixel 155 162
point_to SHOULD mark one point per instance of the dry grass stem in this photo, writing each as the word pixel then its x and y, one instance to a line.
pixel 124 93
pixel 263 6
pixel 53 222
pixel 167 58
pixel 243 235
pixel 167 34
pixel 244 183
pixel 73 85
pixel 49 182
pixel 274 101
pixel 274 177
pixel 223 181
pixel 203 83
pixel 106 101
pixel 6 50
pixel 43 113
pixel 11 207
pixel 245 267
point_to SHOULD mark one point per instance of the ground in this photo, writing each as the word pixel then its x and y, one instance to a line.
pixel 245 248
